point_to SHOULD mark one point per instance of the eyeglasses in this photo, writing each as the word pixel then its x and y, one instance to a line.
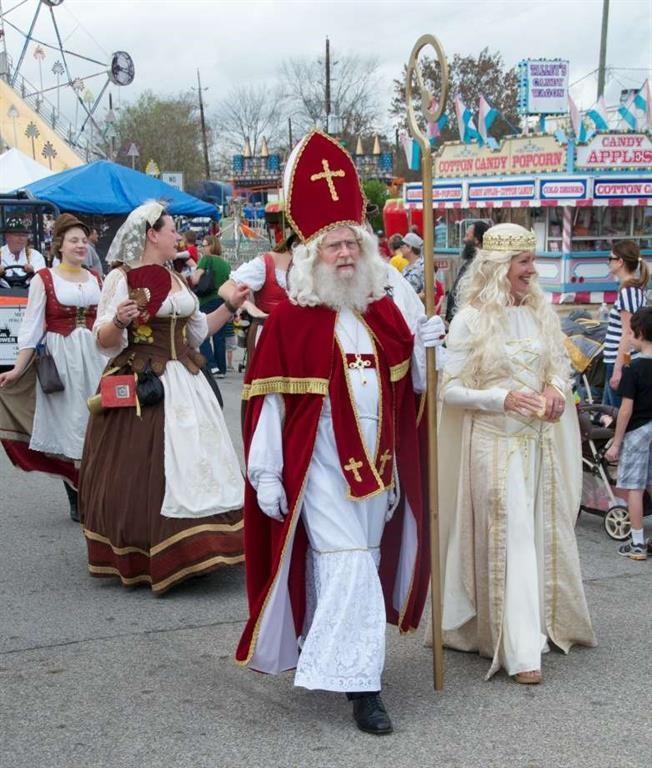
pixel 613 258
pixel 350 245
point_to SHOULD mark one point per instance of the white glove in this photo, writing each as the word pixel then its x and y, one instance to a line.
pixel 271 497
pixel 431 331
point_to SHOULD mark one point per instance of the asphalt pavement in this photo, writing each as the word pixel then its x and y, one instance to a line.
pixel 95 676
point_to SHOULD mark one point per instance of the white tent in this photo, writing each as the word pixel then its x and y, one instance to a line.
pixel 17 170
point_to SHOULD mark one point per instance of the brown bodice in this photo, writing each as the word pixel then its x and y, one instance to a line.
pixel 155 343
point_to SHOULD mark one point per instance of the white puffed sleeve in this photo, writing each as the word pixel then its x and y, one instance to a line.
pixel 36 260
pixel 251 273
pixel 114 291
pixel 196 329
pixel 33 326
pixel 266 450
pixel 455 393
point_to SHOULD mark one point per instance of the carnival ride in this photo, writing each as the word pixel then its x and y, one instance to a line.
pixel 28 114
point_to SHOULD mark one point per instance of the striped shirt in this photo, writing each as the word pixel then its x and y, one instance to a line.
pixel 629 300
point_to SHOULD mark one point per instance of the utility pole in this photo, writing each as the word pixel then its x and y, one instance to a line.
pixel 4 59
pixel 327 94
pixel 290 132
pixel 603 47
pixel 207 168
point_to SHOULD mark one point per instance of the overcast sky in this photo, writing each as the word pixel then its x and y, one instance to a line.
pixel 245 41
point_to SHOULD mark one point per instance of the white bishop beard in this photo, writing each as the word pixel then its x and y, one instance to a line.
pixel 344 291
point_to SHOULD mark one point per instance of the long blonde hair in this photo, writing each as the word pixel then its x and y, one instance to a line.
pixel 485 287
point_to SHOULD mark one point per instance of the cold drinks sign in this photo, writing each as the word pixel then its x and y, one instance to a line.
pixel 543 88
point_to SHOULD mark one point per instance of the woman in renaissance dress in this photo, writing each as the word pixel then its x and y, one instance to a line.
pixel 161 489
pixel 44 431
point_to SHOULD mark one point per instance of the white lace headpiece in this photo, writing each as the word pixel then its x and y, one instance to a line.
pixel 129 242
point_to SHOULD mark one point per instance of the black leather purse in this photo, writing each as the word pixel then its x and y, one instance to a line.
pixel 205 285
pixel 149 389
pixel 46 369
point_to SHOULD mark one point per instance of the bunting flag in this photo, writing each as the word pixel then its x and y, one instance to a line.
pixel 412 151
pixel 598 114
pixel 579 129
pixel 560 135
pixel 627 114
pixel 435 129
pixel 465 123
pixel 486 116
pixel 643 102
pixel 637 114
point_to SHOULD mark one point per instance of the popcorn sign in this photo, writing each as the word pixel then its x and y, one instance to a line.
pixel 543 88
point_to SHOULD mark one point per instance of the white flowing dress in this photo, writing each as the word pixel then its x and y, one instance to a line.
pixel 60 418
pixel 506 454
pixel 202 472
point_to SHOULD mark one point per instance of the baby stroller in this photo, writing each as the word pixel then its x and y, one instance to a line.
pixel 597 426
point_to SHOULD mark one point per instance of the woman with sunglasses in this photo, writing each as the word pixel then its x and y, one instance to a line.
pixel 628 267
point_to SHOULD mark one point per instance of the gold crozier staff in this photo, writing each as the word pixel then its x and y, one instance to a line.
pixel 431 111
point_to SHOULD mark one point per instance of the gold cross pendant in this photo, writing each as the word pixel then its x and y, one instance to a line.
pixel 360 364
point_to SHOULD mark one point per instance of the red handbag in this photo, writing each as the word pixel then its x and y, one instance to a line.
pixel 118 391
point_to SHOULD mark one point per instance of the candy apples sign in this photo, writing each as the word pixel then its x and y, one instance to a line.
pixel 627 150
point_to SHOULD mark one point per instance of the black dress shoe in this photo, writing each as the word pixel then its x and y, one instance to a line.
pixel 371 716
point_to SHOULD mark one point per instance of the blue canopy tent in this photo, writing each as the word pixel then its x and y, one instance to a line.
pixel 107 189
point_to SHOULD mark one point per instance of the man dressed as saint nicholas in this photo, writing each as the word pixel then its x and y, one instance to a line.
pixel 336 533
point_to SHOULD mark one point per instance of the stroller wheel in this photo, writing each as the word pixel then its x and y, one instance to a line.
pixel 616 523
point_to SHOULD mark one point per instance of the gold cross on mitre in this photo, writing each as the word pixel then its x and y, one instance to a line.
pixel 360 365
pixel 354 466
pixel 329 175
pixel 383 460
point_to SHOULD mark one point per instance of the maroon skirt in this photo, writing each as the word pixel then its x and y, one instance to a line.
pixel 121 491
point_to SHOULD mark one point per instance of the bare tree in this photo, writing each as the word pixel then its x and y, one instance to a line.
pixel 247 113
pixel 354 89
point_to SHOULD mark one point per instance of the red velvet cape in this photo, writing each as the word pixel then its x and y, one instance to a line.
pixel 294 357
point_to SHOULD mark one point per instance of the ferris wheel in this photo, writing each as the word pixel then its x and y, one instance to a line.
pixel 72 73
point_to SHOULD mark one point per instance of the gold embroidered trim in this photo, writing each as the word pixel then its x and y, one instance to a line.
pixel 212 527
pixel 159 586
pixel 116 550
pixel 397 372
pixel 370 460
pixel 206 527
pixel 285 385
pixel 554 544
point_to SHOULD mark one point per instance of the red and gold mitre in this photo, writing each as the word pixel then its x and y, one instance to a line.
pixel 322 187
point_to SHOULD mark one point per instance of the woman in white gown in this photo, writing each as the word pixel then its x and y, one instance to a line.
pixel 161 489
pixel 45 431
pixel 510 468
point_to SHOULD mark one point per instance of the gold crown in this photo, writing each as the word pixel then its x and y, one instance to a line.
pixel 502 241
